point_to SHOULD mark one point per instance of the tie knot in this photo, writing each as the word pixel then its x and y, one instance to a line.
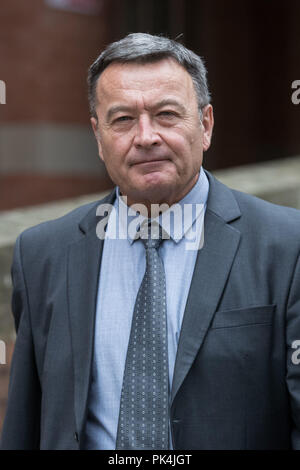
pixel 151 234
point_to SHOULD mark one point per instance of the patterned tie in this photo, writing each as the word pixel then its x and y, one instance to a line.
pixel 144 408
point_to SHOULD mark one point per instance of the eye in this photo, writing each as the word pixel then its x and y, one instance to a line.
pixel 123 118
pixel 167 115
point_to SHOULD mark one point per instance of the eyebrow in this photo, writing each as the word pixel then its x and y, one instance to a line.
pixel 123 108
pixel 116 109
pixel 168 102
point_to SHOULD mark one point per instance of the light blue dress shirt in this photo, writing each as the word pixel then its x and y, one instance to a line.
pixel 122 270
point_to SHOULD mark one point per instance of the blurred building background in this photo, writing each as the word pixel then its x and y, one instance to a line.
pixel 47 148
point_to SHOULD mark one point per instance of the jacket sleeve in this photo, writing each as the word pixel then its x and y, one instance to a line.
pixel 21 428
pixel 293 355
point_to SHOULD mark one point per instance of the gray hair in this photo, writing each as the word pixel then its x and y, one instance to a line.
pixel 144 48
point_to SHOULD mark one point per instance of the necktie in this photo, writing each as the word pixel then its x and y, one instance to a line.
pixel 144 407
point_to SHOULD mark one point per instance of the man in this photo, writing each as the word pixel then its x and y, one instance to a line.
pixel 135 343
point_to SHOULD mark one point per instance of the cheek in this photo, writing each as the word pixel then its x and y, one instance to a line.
pixel 113 151
pixel 182 146
pixel 123 141
pixel 174 140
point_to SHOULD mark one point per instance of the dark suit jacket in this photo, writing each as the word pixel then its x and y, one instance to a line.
pixel 235 384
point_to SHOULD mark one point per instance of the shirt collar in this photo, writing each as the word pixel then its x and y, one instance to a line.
pixel 191 206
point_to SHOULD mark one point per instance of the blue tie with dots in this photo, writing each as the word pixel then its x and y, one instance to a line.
pixel 144 408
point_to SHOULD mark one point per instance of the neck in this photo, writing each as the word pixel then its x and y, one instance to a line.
pixel 152 205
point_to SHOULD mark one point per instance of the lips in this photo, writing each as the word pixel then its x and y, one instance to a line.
pixel 148 160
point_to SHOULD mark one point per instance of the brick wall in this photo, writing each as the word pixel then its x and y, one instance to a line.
pixel 44 57
pixel 47 148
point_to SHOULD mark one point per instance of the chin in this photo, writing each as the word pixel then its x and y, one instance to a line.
pixel 155 180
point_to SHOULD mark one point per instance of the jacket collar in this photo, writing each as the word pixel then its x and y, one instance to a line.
pixel 221 202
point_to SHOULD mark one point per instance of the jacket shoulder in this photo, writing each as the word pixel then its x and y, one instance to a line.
pixel 64 229
pixel 261 208
pixel 269 223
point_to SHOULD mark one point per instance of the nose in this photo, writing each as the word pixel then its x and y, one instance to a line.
pixel 146 136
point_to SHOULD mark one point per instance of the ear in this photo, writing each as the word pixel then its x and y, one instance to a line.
pixel 208 124
pixel 95 127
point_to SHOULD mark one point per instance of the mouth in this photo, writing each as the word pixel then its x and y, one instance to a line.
pixel 150 162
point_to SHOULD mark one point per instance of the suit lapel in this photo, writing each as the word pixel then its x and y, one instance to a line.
pixel 211 271
pixel 84 260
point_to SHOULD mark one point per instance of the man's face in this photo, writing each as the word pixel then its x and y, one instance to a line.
pixel 149 132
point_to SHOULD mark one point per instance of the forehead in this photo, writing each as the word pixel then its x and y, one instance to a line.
pixel 151 80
